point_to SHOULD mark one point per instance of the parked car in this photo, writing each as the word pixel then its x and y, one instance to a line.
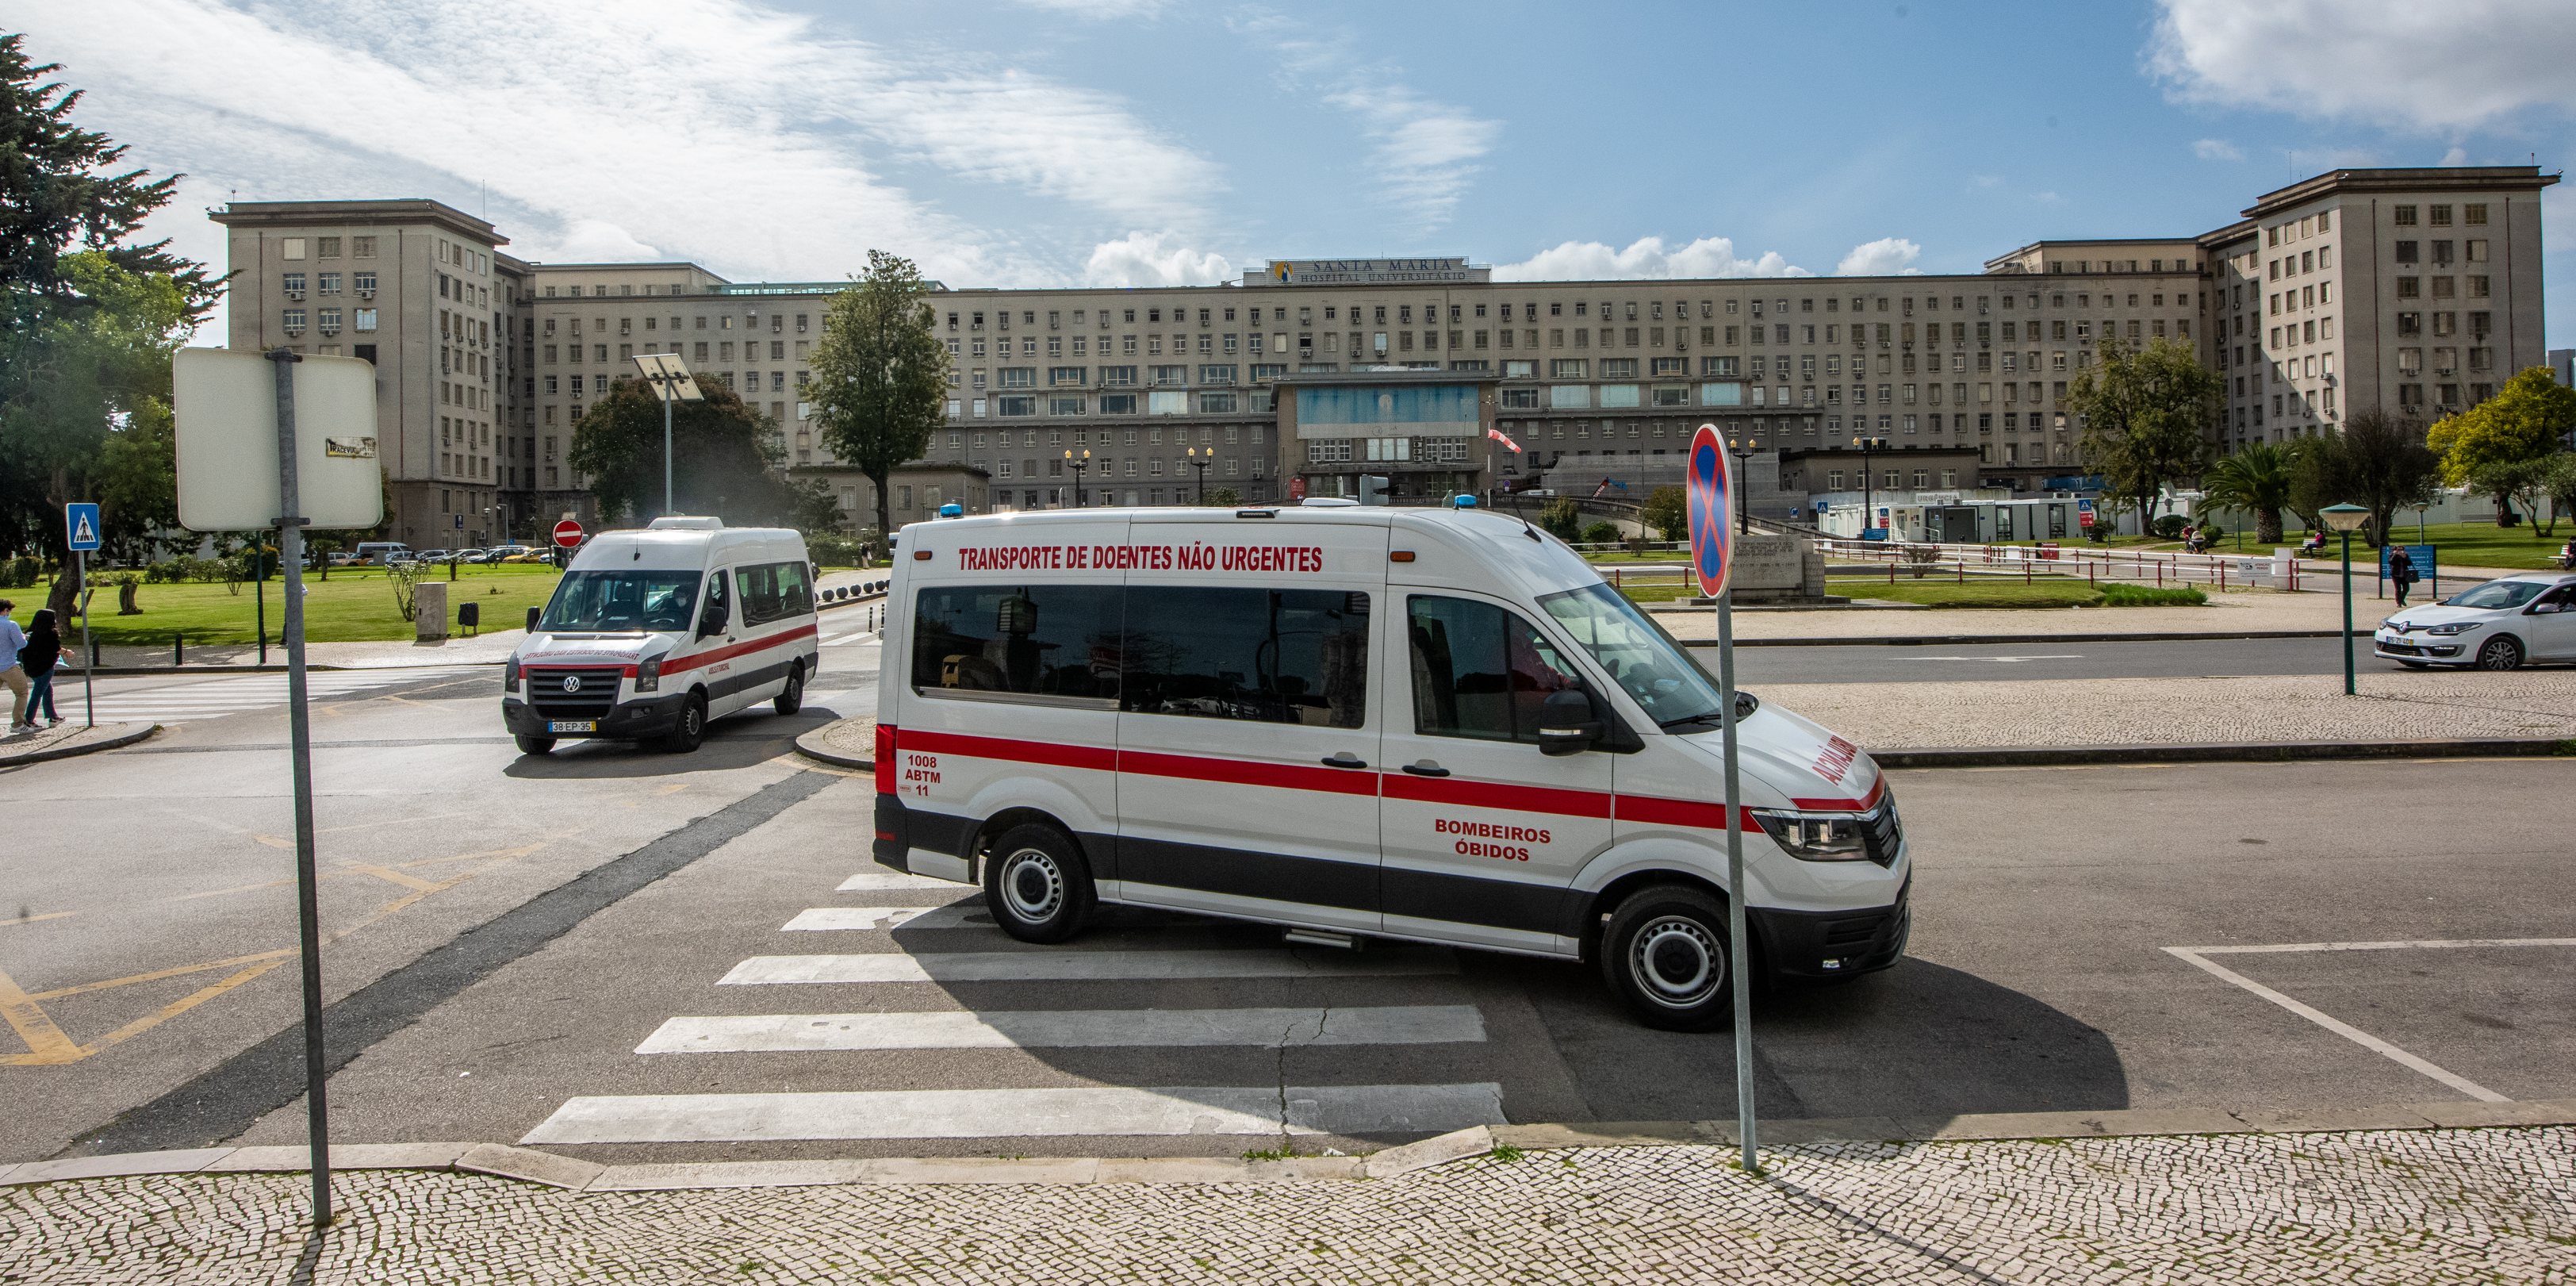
pixel 433 555
pixel 529 556
pixel 2494 626
pixel 382 552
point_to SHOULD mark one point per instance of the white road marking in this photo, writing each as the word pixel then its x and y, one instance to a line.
pixel 881 880
pixel 1071 1028
pixel 2057 656
pixel 1021 1113
pixel 952 916
pixel 2423 944
pixel 2344 1029
pixel 1025 966
pixel 854 636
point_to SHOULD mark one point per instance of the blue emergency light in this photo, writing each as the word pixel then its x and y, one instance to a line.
pixel 1463 502
pixel 952 510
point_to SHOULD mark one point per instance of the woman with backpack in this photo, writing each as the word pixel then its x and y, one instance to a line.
pixel 43 651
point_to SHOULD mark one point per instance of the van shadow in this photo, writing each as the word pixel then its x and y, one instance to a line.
pixel 735 741
pixel 1921 1041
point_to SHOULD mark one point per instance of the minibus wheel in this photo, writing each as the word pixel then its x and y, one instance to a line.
pixel 1037 885
pixel 690 728
pixel 1665 953
pixel 792 697
pixel 534 745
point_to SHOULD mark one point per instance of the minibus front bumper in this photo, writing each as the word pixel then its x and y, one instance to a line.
pixel 639 718
pixel 1833 944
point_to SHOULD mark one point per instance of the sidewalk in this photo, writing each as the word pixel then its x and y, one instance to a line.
pixel 2414 1206
pixel 2226 615
pixel 68 738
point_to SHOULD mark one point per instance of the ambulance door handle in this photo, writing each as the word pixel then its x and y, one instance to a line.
pixel 1426 769
pixel 1345 759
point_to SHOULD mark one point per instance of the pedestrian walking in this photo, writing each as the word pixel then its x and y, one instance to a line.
pixel 40 658
pixel 2401 572
pixel 14 676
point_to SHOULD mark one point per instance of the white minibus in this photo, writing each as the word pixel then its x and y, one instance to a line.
pixel 1433 725
pixel 654 634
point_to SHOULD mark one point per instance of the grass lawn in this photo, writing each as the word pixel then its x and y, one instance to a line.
pixel 355 605
pixel 2044 592
pixel 2465 544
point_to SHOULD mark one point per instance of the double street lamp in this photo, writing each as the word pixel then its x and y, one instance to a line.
pixel 1200 459
pixel 1868 498
pixel 2346 519
pixel 1077 463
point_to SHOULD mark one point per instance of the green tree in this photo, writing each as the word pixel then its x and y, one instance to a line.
pixel 726 457
pixel 2525 420
pixel 1667 510
pixel 2146 415
pixel 2379 462
pixel 89 322
pixel 1224 498
pixel 2562 484
pixel 880 374
pixel 1562 519
pixel 2523 483
pixel 2254 479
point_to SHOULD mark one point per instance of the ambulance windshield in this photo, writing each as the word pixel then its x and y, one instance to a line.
pixel 620 602
pixel 1636 652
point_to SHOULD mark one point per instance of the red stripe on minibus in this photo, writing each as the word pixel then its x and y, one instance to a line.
pixel 1250 772
pixel 1495 794
pixel 1053 754
pixel 729 652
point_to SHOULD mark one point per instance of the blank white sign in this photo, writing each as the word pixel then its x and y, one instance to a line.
pixel 224 408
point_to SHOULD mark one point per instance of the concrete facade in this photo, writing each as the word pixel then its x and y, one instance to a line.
pixel 2411 291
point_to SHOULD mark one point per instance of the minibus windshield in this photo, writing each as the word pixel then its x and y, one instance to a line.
pixel 1636 652
pixel 614 602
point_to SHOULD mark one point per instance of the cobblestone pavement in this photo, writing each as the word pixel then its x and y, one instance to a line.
pixel 2249 611
pixel 2406 1206
pixel 2401 706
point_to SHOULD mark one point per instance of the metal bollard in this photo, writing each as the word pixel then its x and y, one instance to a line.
pixel 178 649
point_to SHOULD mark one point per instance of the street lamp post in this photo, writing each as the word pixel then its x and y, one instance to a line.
pixel 672 383
pixel 1742 451
pixel 1200 460
pixel 2346 519
pixel 1868 497
pixel 1078 464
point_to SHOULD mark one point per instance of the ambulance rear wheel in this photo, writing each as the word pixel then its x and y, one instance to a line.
pixel 1665 953
pixel 1037 885
pixel 791 698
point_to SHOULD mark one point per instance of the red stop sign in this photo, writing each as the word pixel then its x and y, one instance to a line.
pixel 568 533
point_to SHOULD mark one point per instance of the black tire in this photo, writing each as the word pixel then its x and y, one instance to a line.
pixel 691 729
pixel 792 697
pixel 1665 953
pixel 2500 653
pixel 1036 884
pixel 535 745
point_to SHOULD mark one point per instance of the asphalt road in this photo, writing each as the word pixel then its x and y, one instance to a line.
pixel 629 912
pixel 1955 663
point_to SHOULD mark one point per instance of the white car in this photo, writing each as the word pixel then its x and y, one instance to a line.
pixel 2494 626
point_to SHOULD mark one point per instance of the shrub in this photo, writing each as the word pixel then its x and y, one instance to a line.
pixel 2169 526
pixel 2212 533
pixel 2122 594
pixel 1562 520
pixel 1601 533
pixel 833 550
pixel 19 573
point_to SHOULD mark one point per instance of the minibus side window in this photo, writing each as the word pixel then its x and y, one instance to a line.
pixel 1266 655
pixel 772 592
pixel 719 611
pixel 1039 640
pixel 1480 671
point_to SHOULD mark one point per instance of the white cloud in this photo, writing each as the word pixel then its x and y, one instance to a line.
pixel 2458 155
pixel 2217 149
pixel 1885 257
pixel 2406 64
pixel 1098 10
pixel 1645 257
pixel 1423 152
pixel 1149 259
pixel 752 140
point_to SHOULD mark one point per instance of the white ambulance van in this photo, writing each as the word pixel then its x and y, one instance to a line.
pixel 1434 725
pixel 654 634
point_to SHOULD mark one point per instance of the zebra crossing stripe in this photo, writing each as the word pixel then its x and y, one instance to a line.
pixel 880 881
pixel 1026 966
pixel 955 915
pixel 1071 1028
pixel 1021 1113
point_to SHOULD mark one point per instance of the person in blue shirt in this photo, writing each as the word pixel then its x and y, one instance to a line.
pixel 11 673
pixel 40 658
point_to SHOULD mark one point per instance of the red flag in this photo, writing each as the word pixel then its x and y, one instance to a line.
pixel 1499 436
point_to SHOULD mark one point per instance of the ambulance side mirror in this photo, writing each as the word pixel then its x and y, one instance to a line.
pixel 533 613
pixel 1567 723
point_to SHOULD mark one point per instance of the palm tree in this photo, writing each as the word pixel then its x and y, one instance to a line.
pixel 2254 479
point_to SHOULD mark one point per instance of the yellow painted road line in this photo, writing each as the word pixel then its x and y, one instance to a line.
pixel 45 1041
pixel 391 876
pixel 177 1007
pixel 31 919
pixel 156 975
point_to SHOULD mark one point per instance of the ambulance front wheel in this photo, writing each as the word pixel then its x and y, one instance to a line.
pixel 1037 885
pixel 1665 953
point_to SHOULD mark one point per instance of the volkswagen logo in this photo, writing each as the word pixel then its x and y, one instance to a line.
pixel 572 683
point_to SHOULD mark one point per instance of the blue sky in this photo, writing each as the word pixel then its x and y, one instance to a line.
pixel 1028 142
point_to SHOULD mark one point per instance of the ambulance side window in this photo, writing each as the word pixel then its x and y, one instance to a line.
pixel 1479 671
pixel 1266 655
pixel 719 609
pixel 1038 640
pixel 772 592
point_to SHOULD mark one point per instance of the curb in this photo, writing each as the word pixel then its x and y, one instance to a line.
pixel 811 746
pixel 573 1174
pixel 129 671
pixel 1954 640
pixel 126 738
pixel 2226 752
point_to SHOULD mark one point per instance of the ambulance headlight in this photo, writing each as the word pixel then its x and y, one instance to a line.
pixel 648 676
pixel 1814 837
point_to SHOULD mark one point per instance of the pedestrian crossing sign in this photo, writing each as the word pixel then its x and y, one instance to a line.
pixel 80 521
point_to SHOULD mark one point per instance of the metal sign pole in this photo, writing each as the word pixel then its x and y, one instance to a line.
pixel 89 646
pixel 665 389
pixel 290 548
pixel 1735 927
